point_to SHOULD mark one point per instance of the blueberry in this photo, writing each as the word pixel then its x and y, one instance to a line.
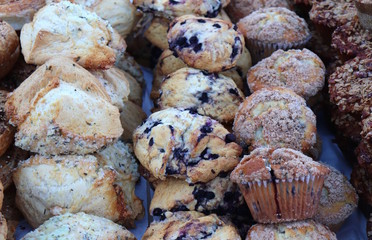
pixel 151 142
pixel 234 91
pixel 201 21
pixel 230 138
pixel 204 97
pixel 216 25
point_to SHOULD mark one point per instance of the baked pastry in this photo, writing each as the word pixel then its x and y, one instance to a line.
pixel 219 196
pixel 209 94
pixel 280 185
pixel 135 94
pixel 6 130
pixel 299 70
pixel 208 44
pixel 156 32
pixel 19 12
pixel 100 186
pixel 362 181
pixel 269 29
pixel 185 145
pixel 79 226
pixel 364 9
pixel 9 48
pixel 127 63
pixel 10 212
pixel 170 8
pixel 308 229
pixel 131 117
pixel 238 9
pixel 275 117
pixel 367 123
pixel 337 201
pixel 3 228
pixel 69 30
pixel 190 225
pixel 62 109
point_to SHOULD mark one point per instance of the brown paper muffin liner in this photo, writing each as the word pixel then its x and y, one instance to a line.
pixel 261 49
pixel 283 200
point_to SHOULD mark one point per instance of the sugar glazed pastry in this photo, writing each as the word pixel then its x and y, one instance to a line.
pixel 185 145
pixel 102 186
pixel 63 109
pixel 9 48
pixel 209 44
pixel 79 226
pixel 69 30
pixel 209 94
pixel 190 225
pixel 275 117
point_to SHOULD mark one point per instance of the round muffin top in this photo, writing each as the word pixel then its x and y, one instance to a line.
pixel 274 25
pixel 350 86
pixel 275 117
pixel 274 164
pixel 332 13
pixel 338 199
pixel 352 39
pixel 308 229
pixel 302 71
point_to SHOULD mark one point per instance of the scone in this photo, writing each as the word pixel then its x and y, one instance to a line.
pixel 185 145
pixel 171 8
pixel 308 229
pixel 69 30
pixel 156 32
pixel 3 228
pixel 208 44
pixel 135 94
pixel 219 196
pixel 209 94
pixel 127 63
pixel 63 109
pixel 9 48
pixel 79 226
pixel 10 212
pixel 299 70
pixel 6 130
pixel 275 117
pixel 100 186
pixel 190 225
pixel 19 12
pixel 131 117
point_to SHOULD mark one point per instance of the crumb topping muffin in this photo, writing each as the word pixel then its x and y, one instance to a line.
pixel 275 117
pixel 302 71
pixel 364 9
pixel 362 181
pixel 367 123
pixel 208 94
pixel 308 229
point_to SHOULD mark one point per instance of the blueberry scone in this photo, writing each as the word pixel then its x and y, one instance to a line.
pixel 172 8
pixel 63 109
pixel 69 30
pixel 185 145
pixel 209 44
pixel 101 185
pixel 209 94
pixel 275 117
pixel 220 196
pixel 79 226
pixel 190 225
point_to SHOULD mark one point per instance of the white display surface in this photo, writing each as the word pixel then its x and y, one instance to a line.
pixel 354 228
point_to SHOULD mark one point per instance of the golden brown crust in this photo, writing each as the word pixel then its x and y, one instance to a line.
pixel 9 48
pixel 156 33
pixel 131 117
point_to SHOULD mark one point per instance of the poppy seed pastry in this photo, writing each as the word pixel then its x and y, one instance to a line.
pixel 63 109
pixel 102 186
pixel 190 225
pixel 79 226
pixel 69 30
pixel 308 229
pixel 208 44
pixel 302 71
pixel 275 117
pixel 9 48
pixel 182 144
pixel 209 94
pixel 280 185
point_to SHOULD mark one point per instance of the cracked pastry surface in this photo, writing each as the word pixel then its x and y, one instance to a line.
pixel 209 44
pixel 179 143
pixel 209 94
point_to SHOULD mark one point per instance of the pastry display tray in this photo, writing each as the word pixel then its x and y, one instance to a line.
pixel 354 228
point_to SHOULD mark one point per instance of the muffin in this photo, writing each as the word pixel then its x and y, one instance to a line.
pixel 308 229
pixel 9 48
pixel 364 9
pixel 190 225
pixel 299 70
pixel 275 117
pixel 362 182
pixel 209 94
pixel 79 226
pixel 280 185
pixel 208 44
pixel 269 29
pixel 182 144
pixel 337 202
pixel 238 9
pixel 6 130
